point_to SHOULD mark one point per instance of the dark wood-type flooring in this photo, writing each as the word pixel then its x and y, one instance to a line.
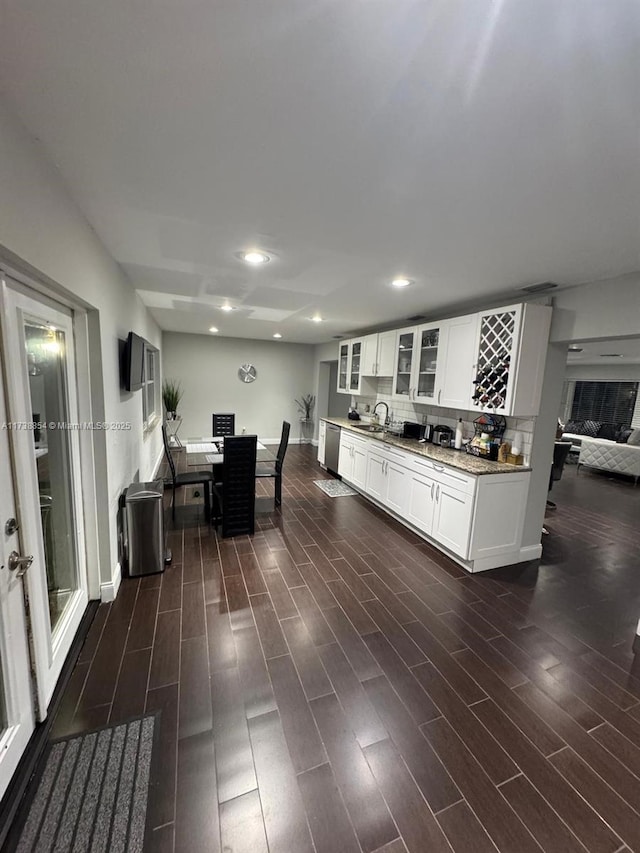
pixel 334 684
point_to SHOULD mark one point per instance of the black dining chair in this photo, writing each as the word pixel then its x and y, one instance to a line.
pixel 223 424
pixel 236 495
pixel 189 478
pixel 560 452
pixel 274 469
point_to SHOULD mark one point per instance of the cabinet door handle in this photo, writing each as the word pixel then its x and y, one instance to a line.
pixel 439 393
pixel 438 493
pixel 432 485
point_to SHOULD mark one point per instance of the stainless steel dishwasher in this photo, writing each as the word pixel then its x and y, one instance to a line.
pixel 332 448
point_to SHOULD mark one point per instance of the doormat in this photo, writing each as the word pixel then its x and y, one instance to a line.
pixel 93 791
pixel 334 488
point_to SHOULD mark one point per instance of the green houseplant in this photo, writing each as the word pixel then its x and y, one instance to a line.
pixel 305 406
pixel 171 396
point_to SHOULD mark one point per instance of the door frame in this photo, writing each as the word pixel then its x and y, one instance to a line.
pixel 90 406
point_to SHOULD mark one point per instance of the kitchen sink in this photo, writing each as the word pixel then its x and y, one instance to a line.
pixel 369 427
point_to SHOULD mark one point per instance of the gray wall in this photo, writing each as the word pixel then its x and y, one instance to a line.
pixel 207 366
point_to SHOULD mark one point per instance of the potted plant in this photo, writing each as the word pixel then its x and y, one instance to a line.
pixel 171 396
pixel 305 406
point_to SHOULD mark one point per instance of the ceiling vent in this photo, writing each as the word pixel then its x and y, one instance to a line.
pixel 542 287
pixel 416 318
pixel 338 337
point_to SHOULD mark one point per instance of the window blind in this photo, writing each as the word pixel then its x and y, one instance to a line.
pixel 608 402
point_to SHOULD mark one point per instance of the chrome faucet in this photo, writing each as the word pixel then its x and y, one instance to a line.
pixel 386 405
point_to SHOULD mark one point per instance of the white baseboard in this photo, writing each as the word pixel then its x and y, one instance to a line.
pixel 109 590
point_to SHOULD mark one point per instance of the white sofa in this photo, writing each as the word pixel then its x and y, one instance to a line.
pixel 610 456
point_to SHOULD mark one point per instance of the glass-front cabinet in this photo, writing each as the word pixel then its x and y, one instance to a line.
pixel 405 348
pixel 355 366
pixel 343 367
pixel 417 363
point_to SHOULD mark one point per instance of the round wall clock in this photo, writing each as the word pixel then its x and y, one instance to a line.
pixel 247 373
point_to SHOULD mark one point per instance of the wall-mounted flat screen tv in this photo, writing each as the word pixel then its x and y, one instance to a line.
pixel 134 362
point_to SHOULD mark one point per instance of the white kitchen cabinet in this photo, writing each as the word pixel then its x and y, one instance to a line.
pixel 458 363
pixel 378 353
pixel 353 355
pixel 388 476
pixel 418 366
pixel 452 519
pixel 352 459
pixel 422 493
pixel 509 358
pixel 322 434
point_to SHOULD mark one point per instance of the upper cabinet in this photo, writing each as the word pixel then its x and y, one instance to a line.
pixel 418 366
pixel 492 361
pixel 510 354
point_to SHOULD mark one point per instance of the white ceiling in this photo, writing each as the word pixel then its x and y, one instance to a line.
pixel 602 352
pixel 475 146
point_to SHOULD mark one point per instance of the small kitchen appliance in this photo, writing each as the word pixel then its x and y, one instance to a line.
pixel 413 430
pixel 442 435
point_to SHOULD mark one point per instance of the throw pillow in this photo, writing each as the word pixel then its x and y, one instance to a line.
pixel 574 427
pixel 623 436
pixel 591 428
pixel 608 431
pixel 634 438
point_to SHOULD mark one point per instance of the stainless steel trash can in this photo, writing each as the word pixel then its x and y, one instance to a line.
pixel 145 528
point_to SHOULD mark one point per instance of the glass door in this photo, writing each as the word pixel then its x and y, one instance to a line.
pixel 429 339
pixel 402 386
pixel 343 367
pixel 354 372
pixel 17 720
pixel 38 342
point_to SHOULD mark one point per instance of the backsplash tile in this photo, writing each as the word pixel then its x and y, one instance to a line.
pixel 401 410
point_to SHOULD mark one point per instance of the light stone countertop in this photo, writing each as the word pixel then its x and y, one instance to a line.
pixel 447 456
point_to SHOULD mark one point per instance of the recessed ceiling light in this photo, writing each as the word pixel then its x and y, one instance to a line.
pixel 575 348
pixel 227 307
pixel 277 335
pixel 213 329
pixel 254 257
pixel 401 282
pixel 611 355
pixel 316 318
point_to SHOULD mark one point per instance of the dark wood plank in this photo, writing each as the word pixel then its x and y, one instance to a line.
pixel 251 573
pixel 503 826
pixel 574 811
pixel 363 719
pixel 315 681
pixel 193 624
pixel 222 647
pixel 162 840
pixel 281 597
pixel 162 801
pixel 419 828
pixel 213 582
pixel 131 689
pixel 624 820
pixel 90 645
pixel 358 655
pixel 359 589
pixel 305 745
pixel 325 568
pixel 228 558
pixel 67 708
pixel 105 666
pixel 241 825
pixel 448 638
pixel 195 693
pixel 619 746
pixel 372 822
pixel 286 564
pixel 171 589
pixel 312 616
pixel 234 759
pixel 321 591
pixel 402 679
pixel 197 819
pixel 488 753
pixel 269 631
pixel 237 603
pixel 254 678
pixel 330 826
pixel 394 633
pixel 543 823
pixel 283 810
pixel 529 722
pixel 165 661
pixel 396 607
pixel 436 785
pixel 359 618
pixel 463 829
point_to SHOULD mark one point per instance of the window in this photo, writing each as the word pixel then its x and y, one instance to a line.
pixel 607 402
pixel 150 387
